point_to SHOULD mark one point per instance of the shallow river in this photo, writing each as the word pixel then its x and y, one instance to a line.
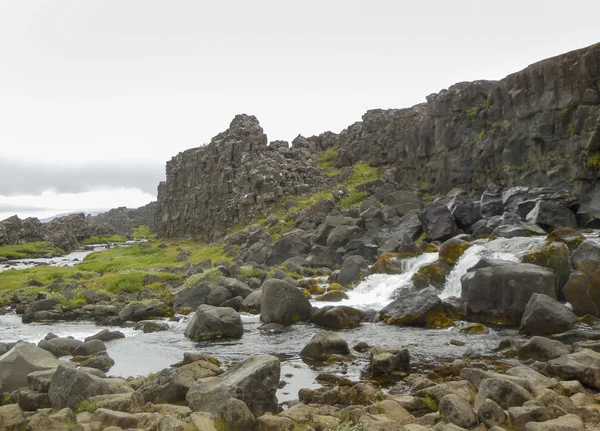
pixel 141 354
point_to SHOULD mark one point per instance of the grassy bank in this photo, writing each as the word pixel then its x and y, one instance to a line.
pixel 31 249
pixel 114 270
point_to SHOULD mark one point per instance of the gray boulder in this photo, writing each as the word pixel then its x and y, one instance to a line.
pixel 342 235
pixel 252 302
pixel 210 323
pixel 385 361
pixel 236 415
pixel 282 303
pixel 586 257
pixel 542 349
pixel 289 245
pixel 22 359
pixel 106 335
pixel 551 215
pixel 89 348
pixel 502 391
pixel 455 410
pixel 321 256
pixel 544 315
pixel 67 345
pixel 253 381
pixel 203 293
pixel 70 386
pixel 421 308
pixel 583 365
pixel 569 422
pixel 491 414
pixel 491 202
pixel 499 294
pixel 439 223
pixel 353 270
pixel 465 211
pixel 337 317
pixel 324 344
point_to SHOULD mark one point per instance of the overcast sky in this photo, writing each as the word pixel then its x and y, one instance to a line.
pixel 96 95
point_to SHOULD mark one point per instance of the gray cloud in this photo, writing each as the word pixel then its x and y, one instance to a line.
pixel 29 178
pixel 10 208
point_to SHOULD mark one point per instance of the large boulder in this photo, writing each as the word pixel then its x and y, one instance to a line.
pixel 586 257
pixel 253 381
pixel 70 386
pixel 499 294
pixel 491 203
pixel 22 359
pixel 88 348
pixel 385 361
pixel 337 317
pixel 422 308
pixel 321 256
pixel 354 269
pixel 554 256
pixel 211 323
pixel 542 349
pixel 455 410
pixel 544 315
pixel 283 303
pixel 465 211
pixel 289 245
pixel 569 422
pixel 438 222
pixel 343 234
pixel 582 291
pixel 203 293
pixel 583 365
pixel 324 344
pixel 550 215
pixel 12 418
pixel 171 385
pixel 504 392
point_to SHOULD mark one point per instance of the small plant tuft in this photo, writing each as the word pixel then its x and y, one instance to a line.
pixel 432 404
pixel 85 406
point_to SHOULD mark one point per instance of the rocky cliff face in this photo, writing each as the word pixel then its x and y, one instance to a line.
pixel 537 127
pixel 232 180
pixel 122 220
pixel 13 230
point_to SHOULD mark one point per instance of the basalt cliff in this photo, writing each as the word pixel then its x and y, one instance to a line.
pixel 537 127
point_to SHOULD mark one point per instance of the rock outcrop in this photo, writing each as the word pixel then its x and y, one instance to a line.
pixel 122 220
pixel 536 128
pixel 232 180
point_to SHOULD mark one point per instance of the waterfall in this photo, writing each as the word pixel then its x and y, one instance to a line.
pixel 511 249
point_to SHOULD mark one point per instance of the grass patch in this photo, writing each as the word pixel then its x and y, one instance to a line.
pixel 326 162
pixel 472 112
pixel 31 249
pixel 142 232
pixel 209 274
pixel 593 162
pixel 14 279
pixel 103 239
pixel 354 199
pixel 85 406
pixel 432 404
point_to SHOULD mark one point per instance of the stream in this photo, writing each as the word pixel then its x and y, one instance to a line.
pixel 141 354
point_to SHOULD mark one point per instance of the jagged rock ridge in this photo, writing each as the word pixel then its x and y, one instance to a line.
pixel 537 127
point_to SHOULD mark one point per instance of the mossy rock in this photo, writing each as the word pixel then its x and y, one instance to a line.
pixel 554 256
pixel 475 328
pixel 452 250
pixel 335 286
pixel 427 247
pixel 332 296
pixel 438 320
pixel 306 293
pixel 589 320
pixel 433 274
pixel 570 237
pixel 382 265
pixel 313 287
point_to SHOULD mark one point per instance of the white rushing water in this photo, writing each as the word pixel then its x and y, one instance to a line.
pixel 511 249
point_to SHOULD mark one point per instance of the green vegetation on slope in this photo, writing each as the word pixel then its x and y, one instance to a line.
pixel 31 249
pixel 326 162
pixel 142 232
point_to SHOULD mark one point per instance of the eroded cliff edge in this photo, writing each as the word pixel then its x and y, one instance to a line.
pixel 537 127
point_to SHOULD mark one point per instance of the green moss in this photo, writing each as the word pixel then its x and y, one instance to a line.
pixel 570 130
pixel 452 252
pixel 422 237
pixel 472 112
pixel 438 320
pixel 432 404
pixel 103 239
pixel 5 400
pixel 85 406
pixel 475 328
pixel 480 136
pixel 593 162
pixel 209 274
pixel 354 199
pixel 31 249
pixel 142 232
pixel 380 408
pixel 432 274
pixel 488 102
pixel 327 159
